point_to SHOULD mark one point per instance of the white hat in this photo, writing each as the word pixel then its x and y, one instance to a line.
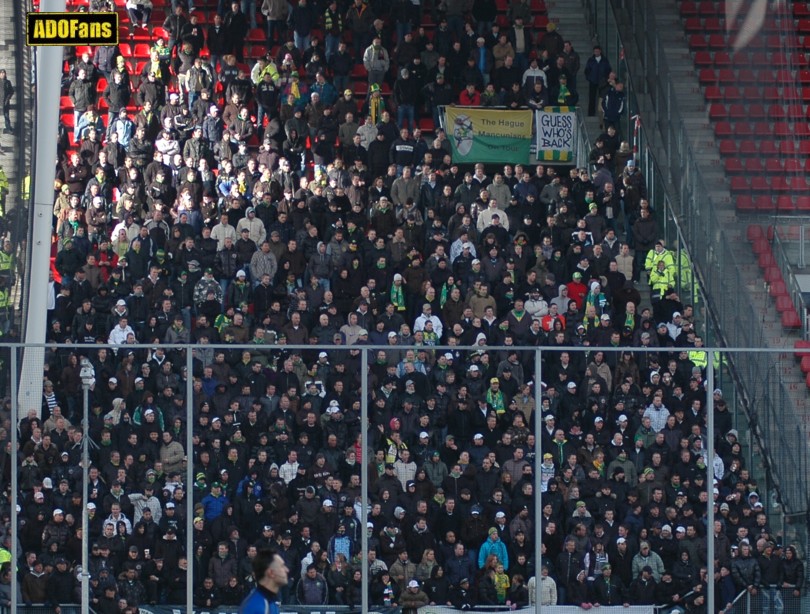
pixel 323 355
pixel 680 530
pixel 473 368
pixel 47 483
pixel 478 436
pixel 58 512
pixel 413 584
pixel 241 273
pixel 328 503
pixel 423 434
pixel 622 418
pixel 621 540
pixel 571 385
pixel 397 277
pixel 449 356
pixel 500 515
pixel 666 529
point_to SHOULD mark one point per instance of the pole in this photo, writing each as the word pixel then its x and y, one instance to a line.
pixel 710 483
pixel 538 476
pixel 189 481
pixel 15 554
pixel 49 70
pixel 364 476
pixel 85 480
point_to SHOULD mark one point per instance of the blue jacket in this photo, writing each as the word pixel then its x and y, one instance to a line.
pixel 259 601
pixel 213 506
pixel 498 548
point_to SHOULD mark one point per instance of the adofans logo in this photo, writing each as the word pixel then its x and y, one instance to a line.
pixel 72 29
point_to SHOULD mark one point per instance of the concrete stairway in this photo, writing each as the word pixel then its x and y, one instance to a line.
pixel 571 23
pixel 688 94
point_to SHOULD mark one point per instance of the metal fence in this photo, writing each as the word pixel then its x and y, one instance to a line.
pixel 691 217
pixel 537 364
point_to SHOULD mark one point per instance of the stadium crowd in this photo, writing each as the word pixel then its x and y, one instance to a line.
pixel 260 206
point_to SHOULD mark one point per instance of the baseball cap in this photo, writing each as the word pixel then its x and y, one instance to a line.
pixel 413 584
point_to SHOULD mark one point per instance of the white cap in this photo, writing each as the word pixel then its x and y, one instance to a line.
pixel 478 436
pixel 423 434
pixel 323 355
pixel 241 273
pixel 413 584
pixel 621 540
pixel 666 528
pixel 500 515
pixel 449 356
pixel 58 512
pixel 473 368
pixel 91 506
pixel 680 530
pixel 397 277
pixel 328 503
pixel 622 418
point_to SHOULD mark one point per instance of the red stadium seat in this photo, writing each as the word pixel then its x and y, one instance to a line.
pixel 754 231
pixel 783 303
pixel 778 289
pixel 791 319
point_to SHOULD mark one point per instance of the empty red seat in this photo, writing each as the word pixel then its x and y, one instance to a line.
pixel 693 25
pixel 791 319
pixel 728 147
pixel 766 261
pixel 713 93
pixel 784 203
pixel 713 24
pixel 801 348
pixel 717 42
pixel 764 203
pixel 739 185
pixel 707 76
pixel 688 9
pixel 773 165
pixel 754 165
pixel 803 203
pixel 759 184
pixel 760 245
pixel 780 183
pixel 698 42
pixel 771 274
pixel 717 112
pixel 754 231
pixel 783 303
pixel 723 130
pixel 768 147
pixel 726 76
pixel 703 59
pixel 733 166
pixel 778 289
pixel 745 204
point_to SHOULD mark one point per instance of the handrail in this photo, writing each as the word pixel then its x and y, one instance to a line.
pixel 633 43
pixel 788 274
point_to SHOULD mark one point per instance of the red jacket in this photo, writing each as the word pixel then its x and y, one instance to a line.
pixel 467 100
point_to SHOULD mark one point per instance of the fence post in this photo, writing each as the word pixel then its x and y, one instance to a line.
pixel 364 475
pixel 189 481
pixel 538 477
pixel 709 486
pixel 15 411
